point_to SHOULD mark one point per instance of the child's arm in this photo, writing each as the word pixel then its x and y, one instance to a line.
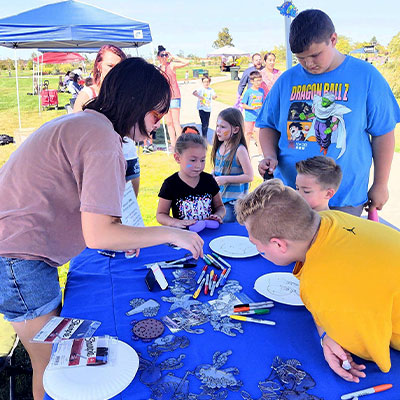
pixel 164 218
pixel 247 107
pixel 196 93
pixel 219 208
pixel 243 159
pixel 335 355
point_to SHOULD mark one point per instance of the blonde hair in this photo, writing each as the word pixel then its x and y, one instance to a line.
pixel 274 210
pixel 325 170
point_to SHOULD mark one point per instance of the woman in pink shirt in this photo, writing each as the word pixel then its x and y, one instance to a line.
pixel 169 64
pixel 107 57
pixel 70 197
pixel 269 73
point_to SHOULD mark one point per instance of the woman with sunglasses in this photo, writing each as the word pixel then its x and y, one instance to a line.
pixel 62 190
pixel 169 64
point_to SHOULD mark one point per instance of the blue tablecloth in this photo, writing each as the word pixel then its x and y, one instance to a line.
pixel 213 364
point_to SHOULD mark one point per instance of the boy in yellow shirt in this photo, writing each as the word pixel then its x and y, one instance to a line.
pixel 318 179
pixel 348 267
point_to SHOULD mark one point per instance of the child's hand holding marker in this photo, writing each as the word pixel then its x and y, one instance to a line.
pixel 339 360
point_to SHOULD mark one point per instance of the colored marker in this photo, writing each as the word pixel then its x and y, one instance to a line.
pixel 203 272
pixel 219 258
pixel 206 260
pixel 225 277
pixel 183 259
pixel 216 263
pixel 221 276
pixel 213 284
pixel 198 290
pixel 240 309
pixel 206 285
pixel 211 275
pixel 248 319
pixel 371 390
pixel 212 261
pixel 261 311
pixel 260 303
pixel 252 306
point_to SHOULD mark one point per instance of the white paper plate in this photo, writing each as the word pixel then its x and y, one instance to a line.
pixel 233 246
pixel 93 383
pixel 282 287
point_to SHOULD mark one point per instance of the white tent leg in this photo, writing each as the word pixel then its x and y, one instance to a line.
pixel 16 81
pixel 165 135
pixel 152 53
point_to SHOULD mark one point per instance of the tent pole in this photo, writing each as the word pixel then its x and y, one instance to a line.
pixel 37 81
pixel 152 53
pixel 16 81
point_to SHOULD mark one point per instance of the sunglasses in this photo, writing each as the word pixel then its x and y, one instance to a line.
pixel 157 116
pixel 164 55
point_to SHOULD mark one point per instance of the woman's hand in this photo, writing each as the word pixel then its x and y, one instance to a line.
pixel 188 240
pixel 335 355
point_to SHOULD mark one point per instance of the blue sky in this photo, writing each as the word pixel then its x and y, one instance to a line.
pixel 192 26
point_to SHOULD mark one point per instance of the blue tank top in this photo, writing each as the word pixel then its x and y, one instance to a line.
pixel 231 191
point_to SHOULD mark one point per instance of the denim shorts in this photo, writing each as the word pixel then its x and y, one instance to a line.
pixel 28 289
pixel 175 103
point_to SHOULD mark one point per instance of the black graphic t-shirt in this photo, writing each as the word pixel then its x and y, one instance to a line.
pixel 188 202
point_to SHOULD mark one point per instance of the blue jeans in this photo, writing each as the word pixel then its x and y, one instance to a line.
pixel 230 215
pixel 28 289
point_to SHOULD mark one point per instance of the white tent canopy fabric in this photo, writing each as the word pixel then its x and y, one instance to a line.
pixel 228 51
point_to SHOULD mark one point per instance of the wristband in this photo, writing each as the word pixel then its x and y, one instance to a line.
pixel 322 338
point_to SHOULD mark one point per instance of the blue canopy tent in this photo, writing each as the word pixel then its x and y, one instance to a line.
pixel 70 25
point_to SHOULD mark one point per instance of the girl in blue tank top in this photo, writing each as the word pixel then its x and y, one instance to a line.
pixel 230 157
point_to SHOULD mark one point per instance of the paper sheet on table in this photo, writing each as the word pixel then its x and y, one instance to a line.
pixel 130 208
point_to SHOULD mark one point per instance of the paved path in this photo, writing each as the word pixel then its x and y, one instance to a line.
pixel 190 116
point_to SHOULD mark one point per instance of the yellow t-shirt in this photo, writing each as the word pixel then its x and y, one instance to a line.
pixel 350 282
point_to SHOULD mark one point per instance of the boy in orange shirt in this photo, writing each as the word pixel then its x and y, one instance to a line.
pixel 348 268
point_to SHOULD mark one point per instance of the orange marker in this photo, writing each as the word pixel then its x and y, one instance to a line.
pixel 374 389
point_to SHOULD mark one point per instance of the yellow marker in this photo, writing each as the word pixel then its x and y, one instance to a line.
pixel 211 274
pixel 198 290
pixel 255 320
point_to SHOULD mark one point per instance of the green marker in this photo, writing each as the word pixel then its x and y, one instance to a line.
pixel 252 312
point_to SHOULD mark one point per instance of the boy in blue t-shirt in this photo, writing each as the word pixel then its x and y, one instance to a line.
pixel 332 105
pixel 252 102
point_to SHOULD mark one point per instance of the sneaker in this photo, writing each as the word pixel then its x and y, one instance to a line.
pixel 147 150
